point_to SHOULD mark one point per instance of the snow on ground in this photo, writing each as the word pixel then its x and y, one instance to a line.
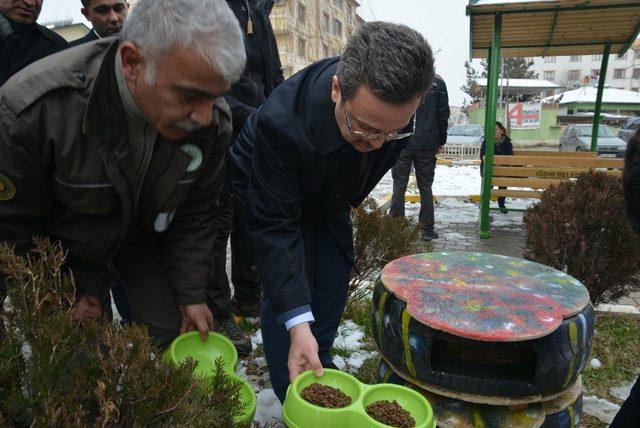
pixel 452 187
pixel 622 392
pixel 349 336
pixel 268 409
pixel 600 408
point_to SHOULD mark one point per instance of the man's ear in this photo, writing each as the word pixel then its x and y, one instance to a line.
pixel 335 90
pixel 132 61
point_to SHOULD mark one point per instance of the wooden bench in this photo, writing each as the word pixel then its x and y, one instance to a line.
pixel 531 172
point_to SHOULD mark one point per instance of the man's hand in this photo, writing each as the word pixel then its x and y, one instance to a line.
pixel 196 317
pixel 303 352
pixel 441 149
pixel 86 307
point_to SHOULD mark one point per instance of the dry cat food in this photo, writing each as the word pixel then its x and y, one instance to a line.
pixel 390 413
pixel 325 396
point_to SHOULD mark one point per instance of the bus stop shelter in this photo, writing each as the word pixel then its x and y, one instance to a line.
pixel 524 28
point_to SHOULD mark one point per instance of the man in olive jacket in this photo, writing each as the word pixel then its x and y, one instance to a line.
pixel 116 149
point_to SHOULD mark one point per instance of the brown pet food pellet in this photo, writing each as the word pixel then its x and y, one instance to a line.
pixel 325 396
pixel 390 413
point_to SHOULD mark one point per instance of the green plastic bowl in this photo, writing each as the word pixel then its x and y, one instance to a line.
pixel 205 353
pixel 298 413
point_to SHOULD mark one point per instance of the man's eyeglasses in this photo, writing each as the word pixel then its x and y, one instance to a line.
pixel 376 135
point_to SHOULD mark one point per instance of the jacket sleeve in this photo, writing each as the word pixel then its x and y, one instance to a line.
pixel 189 240
pixel 25 177
pixel 272 209
pixel 443 113
pixel 510 147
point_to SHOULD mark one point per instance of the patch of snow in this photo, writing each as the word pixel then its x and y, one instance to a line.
pixel 252 321
pixel 621 309
pixel 339 362
pixel 256 339
pixel 355 360
pixel 595 363
pixel 268 409
pixel 349 336
pixel 600 408
pixel 622 392
pixel 453 235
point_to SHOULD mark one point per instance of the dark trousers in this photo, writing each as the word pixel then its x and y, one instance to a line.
pixel 330 271
pixel 244 276
pixel 629 414
pixel 424 162
pixel 502 199
pixel 142 272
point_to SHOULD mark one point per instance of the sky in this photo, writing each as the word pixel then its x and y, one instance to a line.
pixel 442 22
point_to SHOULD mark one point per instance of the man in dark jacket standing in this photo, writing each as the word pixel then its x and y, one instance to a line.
pixel 106 16
pixel 262 74
pixel 316 148
pixel 116 150
pixel 22 40
pixel 431 136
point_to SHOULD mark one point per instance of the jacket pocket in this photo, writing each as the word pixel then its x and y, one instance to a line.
pixel 87 197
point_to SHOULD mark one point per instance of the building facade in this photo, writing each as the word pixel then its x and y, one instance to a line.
pixel 309 30
pixel 573 71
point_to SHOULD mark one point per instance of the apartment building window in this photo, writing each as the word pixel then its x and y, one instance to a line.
pixel 549 59
pixel 575 58
pixel 337 28
pixel 595 73
pixel 619 73
pixel 636 73
pixel 338 4
pixel 302 47
pixel 573 76
pixel 349 12
pixel 302 14
pixel 597 57
pixel 325 51
pixel 325 21
pixel 549 75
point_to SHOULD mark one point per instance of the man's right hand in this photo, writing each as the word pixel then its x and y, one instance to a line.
pixel 86 307
pixel 303 352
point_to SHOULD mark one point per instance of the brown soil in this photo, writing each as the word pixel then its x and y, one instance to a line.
pixel 325 396
pixel 390 413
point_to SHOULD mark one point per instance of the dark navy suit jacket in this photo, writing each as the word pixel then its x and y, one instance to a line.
pixel 291 170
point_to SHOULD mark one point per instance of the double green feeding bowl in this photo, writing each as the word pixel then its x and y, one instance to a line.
pixel 189 345
pixel 298 413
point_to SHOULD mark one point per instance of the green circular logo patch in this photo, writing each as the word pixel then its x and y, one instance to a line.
pixel 7 188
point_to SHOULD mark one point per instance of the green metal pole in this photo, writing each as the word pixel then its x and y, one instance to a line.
pixel 601 79
pixel 490 120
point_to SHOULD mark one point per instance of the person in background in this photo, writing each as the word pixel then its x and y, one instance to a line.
pixel 106 16
pixel 22 40
pixel 262 74
pixel 629 414
pixel 502 146
pixel 432 120
pixel 316 148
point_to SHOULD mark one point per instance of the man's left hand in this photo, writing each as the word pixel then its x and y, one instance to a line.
pixel 196 317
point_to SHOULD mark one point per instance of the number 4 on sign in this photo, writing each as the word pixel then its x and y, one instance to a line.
pixel 517 115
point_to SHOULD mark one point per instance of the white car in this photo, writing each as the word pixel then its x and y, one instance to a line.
pixel 576 138
pixel 465 134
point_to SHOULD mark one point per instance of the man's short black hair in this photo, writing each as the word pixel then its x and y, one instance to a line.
pixel 85 3
pixel 631 182
pixel 394 61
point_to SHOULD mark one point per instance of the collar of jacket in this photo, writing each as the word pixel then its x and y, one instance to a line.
pixel 104 116
pixel 322 116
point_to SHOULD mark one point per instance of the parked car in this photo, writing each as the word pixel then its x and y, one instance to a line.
pixel 465 134
pixel 629 128
pixel 577 138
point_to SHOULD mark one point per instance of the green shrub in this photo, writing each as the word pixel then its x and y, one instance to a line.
pixel 581 227
pixel 57 372
pixel 377 240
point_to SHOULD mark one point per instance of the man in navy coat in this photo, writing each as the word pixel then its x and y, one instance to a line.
pixel 314 150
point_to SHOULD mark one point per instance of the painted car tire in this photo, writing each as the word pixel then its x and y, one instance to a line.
pixel 562 412
pixel 424 355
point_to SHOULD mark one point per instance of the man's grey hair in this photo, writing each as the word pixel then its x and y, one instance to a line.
pixel 393 61
pixel 207 26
